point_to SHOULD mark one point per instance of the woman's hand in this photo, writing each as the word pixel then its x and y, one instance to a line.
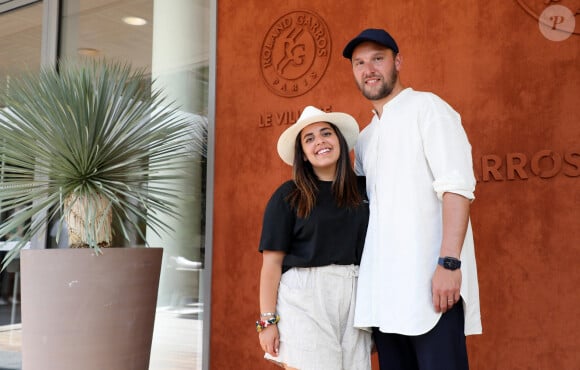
pixel 270 276
pixel 270 340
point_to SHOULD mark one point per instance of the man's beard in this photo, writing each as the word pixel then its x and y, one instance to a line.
pixel 385 90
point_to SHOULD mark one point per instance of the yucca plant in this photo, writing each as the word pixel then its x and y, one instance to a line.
pixel 90 144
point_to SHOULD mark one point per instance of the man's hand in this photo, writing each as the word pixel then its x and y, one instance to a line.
pixel 446 285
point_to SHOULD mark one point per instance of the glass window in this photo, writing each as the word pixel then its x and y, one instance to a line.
pixel 170 39
pixel 20 39
pixel 20 47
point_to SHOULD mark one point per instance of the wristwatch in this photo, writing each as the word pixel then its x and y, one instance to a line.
pixel 449 263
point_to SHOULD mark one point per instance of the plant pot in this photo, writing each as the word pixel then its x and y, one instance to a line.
pixel 87 311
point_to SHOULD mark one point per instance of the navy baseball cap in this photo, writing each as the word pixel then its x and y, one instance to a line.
pixel 379 36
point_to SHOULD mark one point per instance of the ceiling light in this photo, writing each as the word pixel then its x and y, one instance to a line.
pixel 135 21
pixel 88 51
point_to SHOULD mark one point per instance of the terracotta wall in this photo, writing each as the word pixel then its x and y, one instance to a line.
pixel 518 94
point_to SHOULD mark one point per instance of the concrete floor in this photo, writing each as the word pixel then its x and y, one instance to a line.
pixel 177 340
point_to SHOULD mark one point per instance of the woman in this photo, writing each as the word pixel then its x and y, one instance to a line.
pixel 312 240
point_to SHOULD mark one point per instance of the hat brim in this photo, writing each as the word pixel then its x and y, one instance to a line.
pixel 349 48
pixel 344 122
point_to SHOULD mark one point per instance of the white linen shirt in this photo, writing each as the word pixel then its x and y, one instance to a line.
pixel 414 153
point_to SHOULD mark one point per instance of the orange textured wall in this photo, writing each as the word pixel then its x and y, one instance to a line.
pixel 518 94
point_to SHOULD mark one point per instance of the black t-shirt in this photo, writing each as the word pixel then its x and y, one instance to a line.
pixel 329 235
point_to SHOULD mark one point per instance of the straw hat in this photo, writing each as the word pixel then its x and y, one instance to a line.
pixel 345 123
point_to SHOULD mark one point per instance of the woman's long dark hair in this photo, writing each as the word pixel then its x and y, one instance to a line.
pixel 344 185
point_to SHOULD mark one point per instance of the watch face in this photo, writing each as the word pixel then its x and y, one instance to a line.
pixel 451 263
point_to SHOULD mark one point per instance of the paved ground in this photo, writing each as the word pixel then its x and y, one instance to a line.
pixel 177 341
pixel 10 361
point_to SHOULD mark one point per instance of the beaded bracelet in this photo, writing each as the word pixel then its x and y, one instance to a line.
pixel 268 314
pixel 261 324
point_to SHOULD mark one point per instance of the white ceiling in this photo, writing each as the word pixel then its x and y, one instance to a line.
pixel 95 24
pixel 20 32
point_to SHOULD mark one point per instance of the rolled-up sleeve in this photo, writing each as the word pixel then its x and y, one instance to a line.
pixel 447 150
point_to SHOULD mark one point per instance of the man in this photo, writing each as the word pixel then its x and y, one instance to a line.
pixel 418 287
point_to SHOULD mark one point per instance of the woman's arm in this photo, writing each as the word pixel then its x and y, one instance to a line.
pixel 269 280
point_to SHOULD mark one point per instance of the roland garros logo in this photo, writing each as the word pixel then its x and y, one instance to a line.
pixel 295 53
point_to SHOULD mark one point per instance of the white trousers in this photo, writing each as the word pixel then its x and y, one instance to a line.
pixel 316 308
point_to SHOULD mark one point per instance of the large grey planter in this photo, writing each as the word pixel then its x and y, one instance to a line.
pixel 83 311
